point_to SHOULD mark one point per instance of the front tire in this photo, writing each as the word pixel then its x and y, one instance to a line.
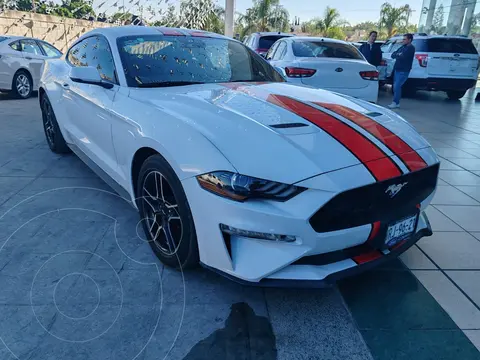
pixel 166 216
pixel 22 85
pixel 53 135
pixel 456 94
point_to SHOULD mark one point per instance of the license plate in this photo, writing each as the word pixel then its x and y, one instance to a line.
pixel 400 230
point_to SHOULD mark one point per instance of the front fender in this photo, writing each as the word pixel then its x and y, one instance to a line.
pixel 188 152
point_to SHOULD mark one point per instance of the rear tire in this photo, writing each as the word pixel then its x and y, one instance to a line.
pixel 456 94
pixel 22 85
pixel 53 135
pixel 166 217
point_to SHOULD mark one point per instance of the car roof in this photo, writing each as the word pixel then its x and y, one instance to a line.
pixel 313 38
pixel 114 32
pixel 425 36
pixel 270 33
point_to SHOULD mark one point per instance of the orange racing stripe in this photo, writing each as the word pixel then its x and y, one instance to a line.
pixel 409 156
pixel 375 160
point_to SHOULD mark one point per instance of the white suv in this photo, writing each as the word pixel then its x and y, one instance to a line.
pixel 441 63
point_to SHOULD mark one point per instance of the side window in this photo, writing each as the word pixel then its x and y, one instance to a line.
pixel 281 50
pixel 271 52
pixel 50 50
pixel 94 51
pixel 386 47
pixel 16 46
pixel 31 47
pixel 396 45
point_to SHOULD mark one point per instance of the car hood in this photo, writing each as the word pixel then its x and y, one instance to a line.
pixel 263 138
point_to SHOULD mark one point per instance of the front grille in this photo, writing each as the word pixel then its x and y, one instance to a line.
pixel 371 203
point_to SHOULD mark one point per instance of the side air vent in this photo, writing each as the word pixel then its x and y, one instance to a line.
pixel 288 126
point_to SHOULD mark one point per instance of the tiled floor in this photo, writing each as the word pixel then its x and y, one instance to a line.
pixel 448 263
pixel 55 248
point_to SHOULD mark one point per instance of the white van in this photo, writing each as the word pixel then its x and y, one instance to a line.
pixel 441 63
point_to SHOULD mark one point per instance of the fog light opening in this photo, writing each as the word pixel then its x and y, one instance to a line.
pixel 256 235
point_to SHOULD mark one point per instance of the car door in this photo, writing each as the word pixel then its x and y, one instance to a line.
pixel 11 59
pixel 277 59
pixel 88 106
pixel 396 44
pixel 36 58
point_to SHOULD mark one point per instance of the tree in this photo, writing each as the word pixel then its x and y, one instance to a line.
pixel 330 19
pixel 393 18
pixel 194 14
pixel 438 19
pixel 335 32
pixel 264 15
pixel 169 18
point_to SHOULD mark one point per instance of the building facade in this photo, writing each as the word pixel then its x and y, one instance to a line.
pixel 450 17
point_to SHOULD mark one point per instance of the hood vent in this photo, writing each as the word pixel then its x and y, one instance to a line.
pixel 288 126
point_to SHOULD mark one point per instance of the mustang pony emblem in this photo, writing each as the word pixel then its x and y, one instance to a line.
pixel 393 190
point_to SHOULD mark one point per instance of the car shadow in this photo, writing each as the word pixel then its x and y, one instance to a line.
pixel 9 96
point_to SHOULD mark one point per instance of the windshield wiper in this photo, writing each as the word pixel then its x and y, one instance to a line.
pixel 168 84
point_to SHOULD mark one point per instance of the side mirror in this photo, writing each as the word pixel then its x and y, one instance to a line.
pixel 88 75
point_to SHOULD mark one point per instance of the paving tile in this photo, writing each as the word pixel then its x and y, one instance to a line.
pixel 440 222
pixel 62 187
pixel 448 165
pixel 452 153
pixel 69 166
pixel 468 164
pixel 459 177
pixel 452 250
pixel 204 287
pixel 113 333
pixel 420 345
pixel 460 309
pixel 475 152
pixel 461 144
pixel 465 216
pixel 415 259
pixel 11 186
pixel 472 191
pixel 392 300
pixel 474 336
pixel 476 234
pixel 468 282
pixel 31 163
pixel 448 195
pixel 319 311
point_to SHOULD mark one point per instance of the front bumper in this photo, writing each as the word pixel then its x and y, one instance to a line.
pixel 337 275
pixel 258 261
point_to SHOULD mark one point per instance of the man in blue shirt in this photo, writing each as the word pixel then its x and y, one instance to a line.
pixel 371 50
pixel 403 64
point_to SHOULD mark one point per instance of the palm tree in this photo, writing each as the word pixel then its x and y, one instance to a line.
pixel 393 18
pixel 265 15
pixel 330 18
pixel 195 14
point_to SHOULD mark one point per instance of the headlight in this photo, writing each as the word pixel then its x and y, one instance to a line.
pixel 241 187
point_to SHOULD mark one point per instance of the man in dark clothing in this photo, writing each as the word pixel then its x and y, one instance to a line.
pixel 371 50
pixel 403 64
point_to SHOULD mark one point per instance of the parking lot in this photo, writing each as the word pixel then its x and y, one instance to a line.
pixel 78 280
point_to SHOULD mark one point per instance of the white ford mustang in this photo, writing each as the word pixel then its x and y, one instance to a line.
pixel 231 167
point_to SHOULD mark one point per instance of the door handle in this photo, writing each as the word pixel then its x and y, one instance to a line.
pixel 28 58
pixel 66 86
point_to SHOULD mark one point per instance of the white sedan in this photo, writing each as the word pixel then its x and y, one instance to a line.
pixel 324 63
pixel 21 62
pixel 230 166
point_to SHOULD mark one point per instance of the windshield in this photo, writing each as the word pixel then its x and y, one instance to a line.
pixel 325 49
pixel 157 59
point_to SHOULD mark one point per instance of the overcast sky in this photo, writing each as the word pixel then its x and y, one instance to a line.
pixel 353 11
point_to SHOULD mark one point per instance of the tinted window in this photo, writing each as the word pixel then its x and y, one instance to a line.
pixel 325 49
pixel 266 42
pixel 16 46
pixel 153 60
pixel 31 47
pixel 94 51
pixel 50 50
pixel 457 46
pixel 280 53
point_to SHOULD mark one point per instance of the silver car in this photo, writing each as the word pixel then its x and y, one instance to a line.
pixel 21 63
